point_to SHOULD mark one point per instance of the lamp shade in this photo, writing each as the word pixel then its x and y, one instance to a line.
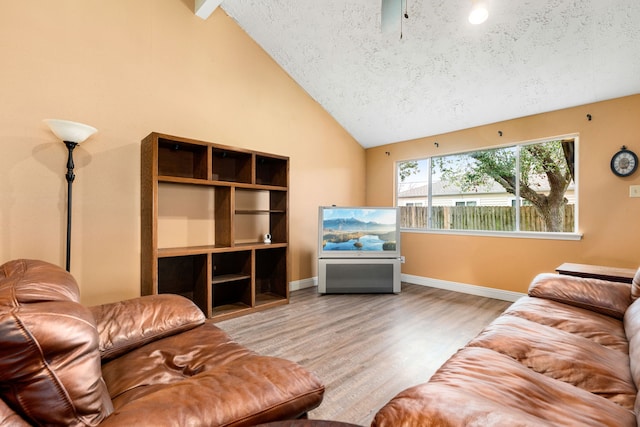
pixel 70 131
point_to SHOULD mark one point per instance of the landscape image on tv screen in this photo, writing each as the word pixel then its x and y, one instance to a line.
pixel 359 229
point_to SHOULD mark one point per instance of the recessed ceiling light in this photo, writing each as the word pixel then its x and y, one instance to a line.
pixel 479 12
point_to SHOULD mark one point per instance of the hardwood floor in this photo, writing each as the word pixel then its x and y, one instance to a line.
pixel 366 348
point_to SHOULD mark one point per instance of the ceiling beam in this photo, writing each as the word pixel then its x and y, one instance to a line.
pixel 204 8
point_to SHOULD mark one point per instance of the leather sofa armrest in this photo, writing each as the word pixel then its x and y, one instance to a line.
pixel 126 325
pixel 600 296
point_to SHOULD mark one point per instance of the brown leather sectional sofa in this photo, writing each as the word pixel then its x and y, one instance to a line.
pixel 150 361
pixel 568 354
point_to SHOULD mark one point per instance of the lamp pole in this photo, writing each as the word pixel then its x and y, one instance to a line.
pixel 72 134
pixel 70 177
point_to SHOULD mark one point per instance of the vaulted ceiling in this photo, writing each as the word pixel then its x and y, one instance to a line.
pixel 435 72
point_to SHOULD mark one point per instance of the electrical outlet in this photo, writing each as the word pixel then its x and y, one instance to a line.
pixel 634 191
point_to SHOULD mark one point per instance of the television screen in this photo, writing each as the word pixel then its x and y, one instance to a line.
pixel 358 231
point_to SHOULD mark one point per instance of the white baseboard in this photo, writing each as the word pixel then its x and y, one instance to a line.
pixel 463 288
pixel 433 283
pixel 303 284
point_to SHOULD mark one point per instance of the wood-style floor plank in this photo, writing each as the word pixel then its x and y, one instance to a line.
pixel 366 347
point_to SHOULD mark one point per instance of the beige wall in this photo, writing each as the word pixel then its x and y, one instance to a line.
pixel 609 219
pixel 129 68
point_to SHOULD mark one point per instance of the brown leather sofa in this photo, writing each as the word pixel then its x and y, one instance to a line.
pixel 149 361
pixel 568 354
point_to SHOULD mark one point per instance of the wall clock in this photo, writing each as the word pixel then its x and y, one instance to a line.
pixel 624 162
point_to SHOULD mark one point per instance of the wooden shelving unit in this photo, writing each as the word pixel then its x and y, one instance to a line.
pixel 204 210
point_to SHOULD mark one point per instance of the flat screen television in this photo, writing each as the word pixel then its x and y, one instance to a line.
pixel 367 232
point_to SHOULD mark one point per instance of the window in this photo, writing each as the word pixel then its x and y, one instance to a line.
pixel 466 203
pixel 528 187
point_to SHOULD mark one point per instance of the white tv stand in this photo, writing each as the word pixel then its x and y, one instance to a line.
pixel 359 275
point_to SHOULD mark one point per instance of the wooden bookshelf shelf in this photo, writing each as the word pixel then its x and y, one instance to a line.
pixel 226 278
pixel 257 212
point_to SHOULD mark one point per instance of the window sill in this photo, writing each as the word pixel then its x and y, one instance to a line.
pixel 512 234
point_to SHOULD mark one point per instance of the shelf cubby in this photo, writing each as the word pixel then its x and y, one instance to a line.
pixel 179 215
pixel 186 276
pixel 230 266
pixel 226 296
pixel 270 282
pixel 271 171
pixel 181 159
pixel 278 219
pixel 230 165
pixel 251 215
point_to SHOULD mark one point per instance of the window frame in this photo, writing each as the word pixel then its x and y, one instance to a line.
pixel 574 235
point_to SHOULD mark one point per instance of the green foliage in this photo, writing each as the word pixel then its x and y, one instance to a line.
pixel 481 168
pixel 471 172
pixel 543 159
pixel 408 168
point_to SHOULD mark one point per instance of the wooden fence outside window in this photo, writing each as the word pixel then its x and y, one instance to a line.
pixel 490 218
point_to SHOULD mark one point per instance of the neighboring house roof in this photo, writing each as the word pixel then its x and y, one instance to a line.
pixel 443 188
pixel 440 188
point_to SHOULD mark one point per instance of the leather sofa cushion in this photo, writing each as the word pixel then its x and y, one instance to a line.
pixel 479 387
pixel 562 356
pixel 610 298
pixel 203 377
pixel 49 361
pixel 129 324
pixel 599 328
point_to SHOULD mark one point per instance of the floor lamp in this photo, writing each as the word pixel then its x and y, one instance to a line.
pixel 72 134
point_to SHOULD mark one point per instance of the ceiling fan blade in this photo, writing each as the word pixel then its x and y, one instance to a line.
pixel 391 15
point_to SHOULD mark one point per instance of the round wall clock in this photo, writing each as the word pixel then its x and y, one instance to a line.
pixel 624 162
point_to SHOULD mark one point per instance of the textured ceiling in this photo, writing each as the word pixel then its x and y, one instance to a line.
pixel 444 74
